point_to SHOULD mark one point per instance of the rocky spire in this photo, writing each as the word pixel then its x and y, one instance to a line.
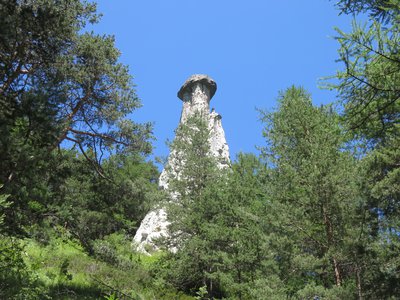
pixel 196 94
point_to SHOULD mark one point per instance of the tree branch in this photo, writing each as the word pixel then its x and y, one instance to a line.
pixel 99 135
pixel 95 165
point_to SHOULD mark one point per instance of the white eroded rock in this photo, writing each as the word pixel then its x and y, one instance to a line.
pixel 219 146
pixel 196 94
pixel 153 227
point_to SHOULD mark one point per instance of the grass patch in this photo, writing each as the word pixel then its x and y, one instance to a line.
pixel 67 272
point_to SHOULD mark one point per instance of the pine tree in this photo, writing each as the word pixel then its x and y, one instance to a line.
pixel 192 171
pixel 217 222
pixel 59 87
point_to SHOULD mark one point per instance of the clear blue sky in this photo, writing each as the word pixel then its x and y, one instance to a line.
pixel 252 49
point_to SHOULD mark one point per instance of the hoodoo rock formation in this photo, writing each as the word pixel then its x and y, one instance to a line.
pixel 196 94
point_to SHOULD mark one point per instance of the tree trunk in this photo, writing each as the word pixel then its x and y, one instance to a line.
pixel 330 238
pixel 359 289
pixel 338 277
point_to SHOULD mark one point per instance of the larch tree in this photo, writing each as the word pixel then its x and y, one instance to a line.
pixel 369 91
pixel 314 198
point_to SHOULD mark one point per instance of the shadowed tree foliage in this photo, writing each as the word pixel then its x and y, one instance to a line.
pixel 63 87
pixel 59 86
pixel 90 207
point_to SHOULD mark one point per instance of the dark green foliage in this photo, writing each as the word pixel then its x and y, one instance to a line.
pixel 58 84
pixel 91 207
pixel 369 90
pixel 314 203
pixel 63 87
pixel 194 169
pixel 16 279
pixel 77 76
pixel 248 269
pixel 381 10
pixel 4 204
pixel 369 84
pixel 217 222
pixel 311 218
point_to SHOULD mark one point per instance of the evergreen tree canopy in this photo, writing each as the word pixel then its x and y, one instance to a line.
pixel 59 86
pixel 369 91
pixel 313 197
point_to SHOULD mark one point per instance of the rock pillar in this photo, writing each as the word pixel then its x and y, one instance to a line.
pixel 196 94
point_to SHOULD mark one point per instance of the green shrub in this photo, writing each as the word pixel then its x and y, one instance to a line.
pixel 16 280
pixel 106 252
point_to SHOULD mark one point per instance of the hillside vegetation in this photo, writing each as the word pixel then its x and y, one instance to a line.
pixel 314 215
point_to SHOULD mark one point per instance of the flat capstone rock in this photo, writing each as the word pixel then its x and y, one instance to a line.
pixel 202 78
